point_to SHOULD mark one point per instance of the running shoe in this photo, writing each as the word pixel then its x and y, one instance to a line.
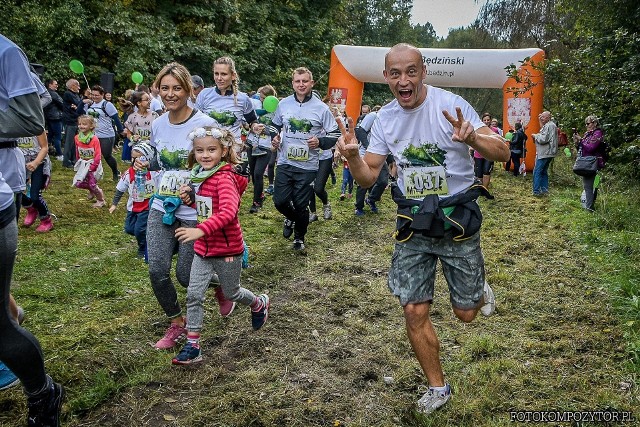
pixel 298 245
pixel 174 334
pixel 372 205
pixel 326 211
pixel 259 318
pixel 269 190
pixel 287 228
pixel 359 212
pixel 489 306
pixel 433 400
pixel 224 305
pixel 188 355
pixel 7 378
pixel 45 411
pixel 313 217
pixel 254 208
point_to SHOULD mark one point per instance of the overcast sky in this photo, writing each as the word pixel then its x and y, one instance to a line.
pixel 445 14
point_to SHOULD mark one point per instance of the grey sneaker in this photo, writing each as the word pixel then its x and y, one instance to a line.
pixel 433 400
pixel 489 306
pixel 326 211
pixel 298 245
pixel 313 217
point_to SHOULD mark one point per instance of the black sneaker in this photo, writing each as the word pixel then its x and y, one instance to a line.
pixel 45 412
pixel 298 245
pixel 254 208
pixel 372 205
pixel 287 228
pixel 259 318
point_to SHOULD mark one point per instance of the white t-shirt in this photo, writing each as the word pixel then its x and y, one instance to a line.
pixel 420 142
pixel 104 126
pixel 301 121
pixel 224 110
pixel 173 146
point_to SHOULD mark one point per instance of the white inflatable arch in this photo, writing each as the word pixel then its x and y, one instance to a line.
pixel 352 66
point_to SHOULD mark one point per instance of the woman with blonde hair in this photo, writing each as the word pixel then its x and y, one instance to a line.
pixel 167 213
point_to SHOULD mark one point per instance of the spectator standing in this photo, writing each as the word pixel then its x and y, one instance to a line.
pixel 72 108
pixel 53 117
pixel 546 149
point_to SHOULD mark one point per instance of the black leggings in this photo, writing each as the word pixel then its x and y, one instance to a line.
pixel 324 170
pixel 291 193
pixel 257 165
pixel 19 349
pixel 106 147
pixel 34 198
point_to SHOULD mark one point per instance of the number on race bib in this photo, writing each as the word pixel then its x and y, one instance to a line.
pixel 423 181
pixel 298 153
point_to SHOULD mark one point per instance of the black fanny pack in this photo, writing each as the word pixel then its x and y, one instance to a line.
pixel 8 144
pixel 428 218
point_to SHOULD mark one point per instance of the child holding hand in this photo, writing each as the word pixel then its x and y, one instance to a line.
pixel 88 167
pixel 218 237
pixel 140 185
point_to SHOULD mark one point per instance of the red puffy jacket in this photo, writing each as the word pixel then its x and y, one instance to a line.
pixel 223 235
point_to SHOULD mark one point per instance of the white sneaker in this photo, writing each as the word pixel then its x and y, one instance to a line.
pixel 434 399
pixel 59 158
pixel 489 306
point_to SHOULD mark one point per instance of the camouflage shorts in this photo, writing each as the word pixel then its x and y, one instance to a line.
pixel 413 269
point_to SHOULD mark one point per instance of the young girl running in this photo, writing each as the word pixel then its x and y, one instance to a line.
pixel 36 157
pixel 219 245
pixel 88 167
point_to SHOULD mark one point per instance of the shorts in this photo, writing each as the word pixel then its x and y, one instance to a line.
pixel 482 167
pixel 413 270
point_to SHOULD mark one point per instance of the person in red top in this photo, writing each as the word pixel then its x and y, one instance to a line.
pixel 89 154
pixel 218 237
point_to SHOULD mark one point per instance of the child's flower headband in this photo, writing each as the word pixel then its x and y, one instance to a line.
pixel 202 132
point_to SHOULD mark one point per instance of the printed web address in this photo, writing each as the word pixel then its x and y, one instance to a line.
pixel 440 73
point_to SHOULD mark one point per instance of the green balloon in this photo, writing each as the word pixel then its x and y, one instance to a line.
pixel 567 152
pixel 137 77
pixel 76 66
pixel 270 103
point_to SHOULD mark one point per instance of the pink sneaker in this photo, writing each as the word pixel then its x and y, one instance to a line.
pixel 174 334
pixel 45 225
pixel 226 306
pixel 32 214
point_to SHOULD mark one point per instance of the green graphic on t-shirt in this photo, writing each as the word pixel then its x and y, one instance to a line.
pixel 174 159
pixel 424 155
pixel 225 118
pixel 299 125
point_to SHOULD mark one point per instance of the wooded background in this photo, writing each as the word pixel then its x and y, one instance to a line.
pixel 592 46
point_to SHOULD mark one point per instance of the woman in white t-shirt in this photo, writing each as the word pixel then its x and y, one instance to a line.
pixel 169 136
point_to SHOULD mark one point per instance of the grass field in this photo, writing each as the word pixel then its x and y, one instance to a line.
pixel 566 335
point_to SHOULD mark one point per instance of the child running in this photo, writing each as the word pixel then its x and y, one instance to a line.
pixel 140 185
pixel 219 246
pixel 88 167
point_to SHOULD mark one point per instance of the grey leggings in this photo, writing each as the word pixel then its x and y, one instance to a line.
pixel 161 245
pixel 19 350
pixel 202 270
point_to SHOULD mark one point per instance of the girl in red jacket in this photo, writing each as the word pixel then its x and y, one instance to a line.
pixel 219 245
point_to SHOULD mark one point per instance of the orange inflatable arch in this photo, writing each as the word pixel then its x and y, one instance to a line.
pixel 352 66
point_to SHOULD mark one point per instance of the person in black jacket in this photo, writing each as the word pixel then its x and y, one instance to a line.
pixel 53 117
pixel 517 147
pixel 71 109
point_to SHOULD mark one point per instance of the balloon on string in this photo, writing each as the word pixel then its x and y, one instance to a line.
pixel 137 77
pixel 76 66
pixel 270 103
pixel 567 152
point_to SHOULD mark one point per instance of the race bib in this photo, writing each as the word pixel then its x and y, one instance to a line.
pixel 298 153
pixel 244 156
pixel 423 181
pixel 145 134
pixel 204 208
pixel 171 182
pixel 25 143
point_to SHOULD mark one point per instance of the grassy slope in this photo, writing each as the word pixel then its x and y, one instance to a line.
pixel 557 341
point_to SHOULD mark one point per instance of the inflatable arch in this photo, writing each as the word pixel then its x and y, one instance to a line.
pixel 352 66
